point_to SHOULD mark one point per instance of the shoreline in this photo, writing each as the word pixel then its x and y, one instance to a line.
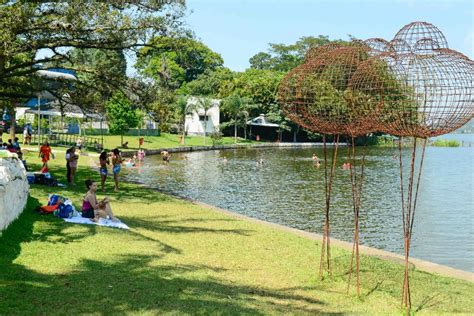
pixel 418 264
pixel 152 152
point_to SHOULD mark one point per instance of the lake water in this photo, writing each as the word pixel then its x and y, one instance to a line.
pixel 289 190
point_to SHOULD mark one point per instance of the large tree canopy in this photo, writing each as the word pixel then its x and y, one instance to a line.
pixel 260 86
pixel 100 73
pixel 281 57
pixel 210 83
pixel 174 61
pixel 39 32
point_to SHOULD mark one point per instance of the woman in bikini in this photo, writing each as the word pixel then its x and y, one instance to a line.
pixel 104 161
pixel 93 209
pixel 116 163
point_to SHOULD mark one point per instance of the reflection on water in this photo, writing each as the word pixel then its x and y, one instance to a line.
pixel 288 189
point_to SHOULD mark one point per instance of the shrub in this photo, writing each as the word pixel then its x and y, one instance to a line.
pixel 216 137
pixel 445 143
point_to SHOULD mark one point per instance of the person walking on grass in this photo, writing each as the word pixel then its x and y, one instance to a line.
pixel 25 135
pixel 73 160
pixel 93 209
pixel 117 164
pixel 103 161
pixel 45 153
pixel 68 168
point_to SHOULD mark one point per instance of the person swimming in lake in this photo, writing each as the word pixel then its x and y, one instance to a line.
pixel 131 162
pixel 141 155
pixel 166 156
pixel 346 166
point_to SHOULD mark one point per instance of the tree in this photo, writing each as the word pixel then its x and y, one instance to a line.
pixel 259 86
pixel 210 83
pixel 100 74
pixel 261 61
pixel 175 61
pixel 41 32
pixel 275 115
pixel 236 107
pixel 153 100
pixel 184 108
pixel 206 104
pixel 120 115
pixel 282 57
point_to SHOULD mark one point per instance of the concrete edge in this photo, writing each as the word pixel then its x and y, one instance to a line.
pixel 231 146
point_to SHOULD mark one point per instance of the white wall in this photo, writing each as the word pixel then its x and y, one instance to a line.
pixel 14 189
pixel 196 127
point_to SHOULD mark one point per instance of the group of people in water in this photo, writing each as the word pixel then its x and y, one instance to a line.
pixel 317 163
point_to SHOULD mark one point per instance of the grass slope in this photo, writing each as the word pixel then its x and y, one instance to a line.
pixel 166 140
pixel 180 258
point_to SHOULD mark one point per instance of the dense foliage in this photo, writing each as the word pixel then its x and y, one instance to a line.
pixel 175 61
pixel 120 114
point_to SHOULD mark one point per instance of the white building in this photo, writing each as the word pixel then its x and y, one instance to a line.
pixel 196 122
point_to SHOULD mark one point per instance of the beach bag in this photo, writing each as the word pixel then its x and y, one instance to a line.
pixel 47 209
pixel 64 211
pixel 39 178
pixel 54 199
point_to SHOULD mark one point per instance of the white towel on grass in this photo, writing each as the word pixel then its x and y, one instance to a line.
pixel 102 222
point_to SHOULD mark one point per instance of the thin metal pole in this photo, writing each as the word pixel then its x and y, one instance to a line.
pixel 39 120
pixel 323 244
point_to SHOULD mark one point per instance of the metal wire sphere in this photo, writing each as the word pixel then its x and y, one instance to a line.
pixel 378 46
pixel 418 95
pixel 414 36
pixel 316 95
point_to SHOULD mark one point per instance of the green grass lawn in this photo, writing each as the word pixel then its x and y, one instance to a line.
pixel 165 140
pixel 181 258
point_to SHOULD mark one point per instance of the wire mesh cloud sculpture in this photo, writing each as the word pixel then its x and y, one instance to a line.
pixel 317 95
pixel 421 89
pixel 413 85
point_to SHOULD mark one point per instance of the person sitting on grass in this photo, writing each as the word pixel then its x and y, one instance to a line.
pixel 23 161
pixel 125 145
pixel 93 209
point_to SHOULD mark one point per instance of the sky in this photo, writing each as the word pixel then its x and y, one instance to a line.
pixel 239 29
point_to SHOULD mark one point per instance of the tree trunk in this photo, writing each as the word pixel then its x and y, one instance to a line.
pixel 184 130
pixel 121 140
pixel 294 136
pixel 245 131
pixel 235 131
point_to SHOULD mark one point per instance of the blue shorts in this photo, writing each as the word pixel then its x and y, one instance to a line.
pixel 116 169
pixel 103 171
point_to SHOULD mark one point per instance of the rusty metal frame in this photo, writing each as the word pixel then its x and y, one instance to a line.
pixel 411 86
